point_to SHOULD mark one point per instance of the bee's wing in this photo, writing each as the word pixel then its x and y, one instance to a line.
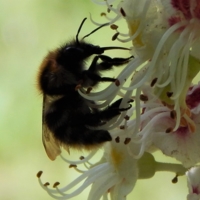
pixel 51 145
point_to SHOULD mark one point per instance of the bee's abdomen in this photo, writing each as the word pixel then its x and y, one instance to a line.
pixel 80 136
pixel 67 118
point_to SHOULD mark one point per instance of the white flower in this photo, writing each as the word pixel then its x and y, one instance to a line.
pixel 193 178
pixel 164 36
pixel 115 174
pixel 157 126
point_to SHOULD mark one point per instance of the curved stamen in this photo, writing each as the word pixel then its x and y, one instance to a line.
pixel 101 186
pixel 80 161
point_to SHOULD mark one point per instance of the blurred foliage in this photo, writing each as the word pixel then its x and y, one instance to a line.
pixel 28 29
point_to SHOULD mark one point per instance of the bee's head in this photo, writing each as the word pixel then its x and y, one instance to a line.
pixel 79 50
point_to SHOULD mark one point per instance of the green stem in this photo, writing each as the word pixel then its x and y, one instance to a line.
pixel 169 167
pixel 148 167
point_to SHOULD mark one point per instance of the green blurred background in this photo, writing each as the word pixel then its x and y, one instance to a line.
pixel 28 29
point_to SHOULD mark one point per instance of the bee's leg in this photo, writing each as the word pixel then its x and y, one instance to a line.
pixel 108 62
pixel 117 103
pixel 99 118
pixel 91 76
pixel 113 110
pixel 90 79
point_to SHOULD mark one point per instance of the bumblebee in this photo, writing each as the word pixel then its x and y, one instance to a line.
pixel 66 114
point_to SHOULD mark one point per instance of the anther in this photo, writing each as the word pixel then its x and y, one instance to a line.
pixel 113 26
pixel 72 166
pixel 153 82
pixel 143 97
pixel 127 140
pixel 56 184
pixel 103 14
pixel 143 110
pixel 123 12
pixel 117 82
pixel 169 94
pixel 173 114
pixel 82 157
pixel 39 174
pixel 175 179
pixel 108 10
pixel 46 184
pixel 168 130
pixel 117 139
pixel 126 117
pixel 122 127
pixel 114 37
pixel 89 90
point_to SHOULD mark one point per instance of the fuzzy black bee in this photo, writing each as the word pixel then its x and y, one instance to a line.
pixel 66 114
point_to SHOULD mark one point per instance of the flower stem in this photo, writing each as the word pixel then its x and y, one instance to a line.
pixel 169 167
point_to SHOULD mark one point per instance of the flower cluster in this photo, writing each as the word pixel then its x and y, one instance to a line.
pixel 165 39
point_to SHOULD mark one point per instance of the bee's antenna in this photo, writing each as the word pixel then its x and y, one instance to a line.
pixel 79 29
pixel 95 30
